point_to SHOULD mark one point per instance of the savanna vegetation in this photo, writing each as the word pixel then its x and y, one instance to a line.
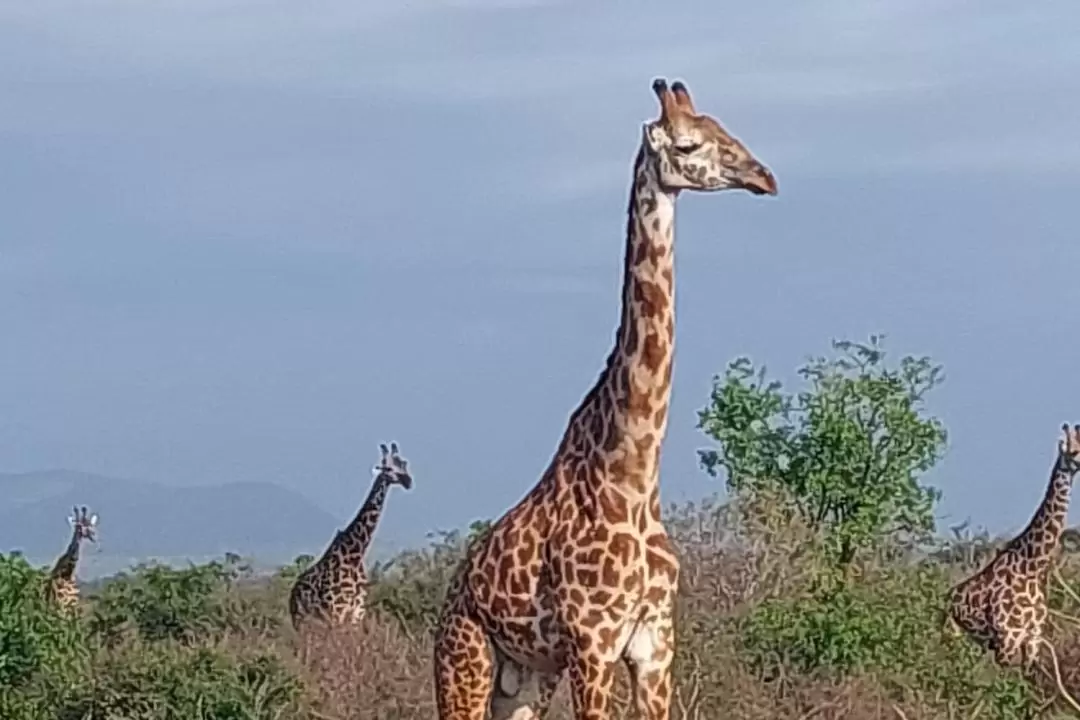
pixel 815 590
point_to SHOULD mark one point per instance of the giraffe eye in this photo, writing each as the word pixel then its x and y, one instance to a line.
pixel 687 146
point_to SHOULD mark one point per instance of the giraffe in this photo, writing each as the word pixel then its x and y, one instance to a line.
pixel 581 574
pixel 334 589
pixel 62 589
pixel 1003 606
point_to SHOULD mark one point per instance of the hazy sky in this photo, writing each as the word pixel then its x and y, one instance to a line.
pixel 249 240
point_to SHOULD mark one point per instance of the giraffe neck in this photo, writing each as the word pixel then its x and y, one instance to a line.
pixel 624 417
pixel 1043 533
pixel 356 537
pixel 64 569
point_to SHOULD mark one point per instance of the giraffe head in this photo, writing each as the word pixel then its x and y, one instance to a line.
pixel 85 525
pixel 393 467
pixel 693 152
pixel 1069 449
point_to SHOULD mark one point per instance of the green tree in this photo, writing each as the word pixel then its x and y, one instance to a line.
pixel 848 449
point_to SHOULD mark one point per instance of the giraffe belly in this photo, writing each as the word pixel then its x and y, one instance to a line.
pixel 528 634
pixel 528 629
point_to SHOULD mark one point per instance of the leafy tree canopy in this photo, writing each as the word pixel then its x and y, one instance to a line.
pixel 849 448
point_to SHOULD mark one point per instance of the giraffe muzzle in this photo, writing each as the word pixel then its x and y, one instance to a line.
pixel 759 181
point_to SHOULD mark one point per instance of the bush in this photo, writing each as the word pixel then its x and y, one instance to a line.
pixel 411 586
pixel 40 648
pixel 156 602
pixel 889 626
pixel 169 682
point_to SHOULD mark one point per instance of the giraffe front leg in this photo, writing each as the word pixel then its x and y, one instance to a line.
pixel 592 676
pixel 463 666
pixel 1010 631
pixel 1008 649
pixel 648 658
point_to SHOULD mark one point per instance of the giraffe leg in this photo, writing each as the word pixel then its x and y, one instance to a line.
pixel 648 658
pixel 521 693
pixel 1008 629
pixel 592 677
pixel 1031 648
pixel 463 666
pixel 1008 650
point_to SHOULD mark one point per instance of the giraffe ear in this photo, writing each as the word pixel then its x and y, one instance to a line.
pixel 93 520
pixel 654 136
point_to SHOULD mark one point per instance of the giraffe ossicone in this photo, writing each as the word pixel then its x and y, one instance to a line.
pixel 580 574
pixel 334 589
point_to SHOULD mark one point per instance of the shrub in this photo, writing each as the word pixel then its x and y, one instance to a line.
pixel 888 625
pixel 37 642
pixel 157 602
pixel 158 681
pixel 411 586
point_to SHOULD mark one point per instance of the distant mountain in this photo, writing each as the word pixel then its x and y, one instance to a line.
pixel 143 521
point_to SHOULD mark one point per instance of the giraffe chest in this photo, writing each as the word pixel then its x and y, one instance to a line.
pixel 535 598
pixel 1000 601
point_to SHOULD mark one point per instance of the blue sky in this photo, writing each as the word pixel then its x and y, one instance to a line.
pixel 249 240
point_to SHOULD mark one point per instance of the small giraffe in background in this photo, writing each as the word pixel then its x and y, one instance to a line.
pixel 1003 606
pixel 334 589
pixel 580 575
pixel 62 589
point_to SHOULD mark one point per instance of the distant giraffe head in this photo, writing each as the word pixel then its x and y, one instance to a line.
pixel 693 152
pixel 1069 450
pixel 392 467
pixel 84 526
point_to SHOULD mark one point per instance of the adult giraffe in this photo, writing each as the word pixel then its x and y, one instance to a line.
pixel 62 588
pixel 334 589
pixel 580 574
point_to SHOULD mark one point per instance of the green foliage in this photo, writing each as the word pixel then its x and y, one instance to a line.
pixel 849 448
pixel 888 624
pixel 167 682
pixel 158 602
pixel 411 586
pixel 296 568
pixel 34 637
pixel 841 627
